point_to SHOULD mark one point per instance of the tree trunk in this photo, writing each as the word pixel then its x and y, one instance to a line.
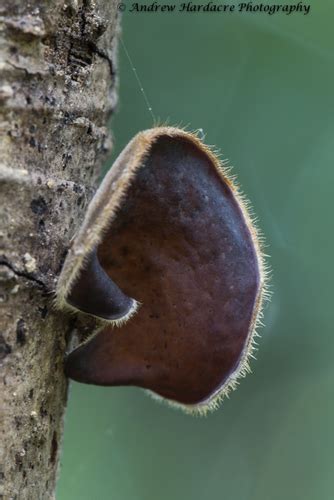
pixel 58 89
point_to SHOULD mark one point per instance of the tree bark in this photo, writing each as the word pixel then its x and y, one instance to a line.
pixel 58 90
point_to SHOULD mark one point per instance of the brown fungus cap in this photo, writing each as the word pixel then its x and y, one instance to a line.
pixel 169 227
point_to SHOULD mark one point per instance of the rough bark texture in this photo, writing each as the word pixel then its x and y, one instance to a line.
pixel 57 91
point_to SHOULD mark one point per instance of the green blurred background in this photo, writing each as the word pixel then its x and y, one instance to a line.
pixel 261 87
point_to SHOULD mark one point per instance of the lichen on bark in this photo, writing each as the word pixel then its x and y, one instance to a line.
pixel 56 94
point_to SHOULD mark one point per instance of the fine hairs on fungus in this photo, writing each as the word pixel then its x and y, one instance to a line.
pixel 167 253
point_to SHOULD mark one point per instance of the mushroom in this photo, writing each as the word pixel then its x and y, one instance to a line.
pixel 170 227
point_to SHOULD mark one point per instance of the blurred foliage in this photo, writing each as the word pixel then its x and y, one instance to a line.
pixel 261 87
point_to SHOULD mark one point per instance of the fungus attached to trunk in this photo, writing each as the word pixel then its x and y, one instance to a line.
pixel 168 227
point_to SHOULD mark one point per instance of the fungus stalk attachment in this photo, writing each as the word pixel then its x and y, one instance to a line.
pixel 169 230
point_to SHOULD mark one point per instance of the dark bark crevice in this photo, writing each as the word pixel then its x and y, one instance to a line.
pixel 28 276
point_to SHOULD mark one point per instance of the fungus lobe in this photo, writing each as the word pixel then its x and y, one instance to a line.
pixel 168 227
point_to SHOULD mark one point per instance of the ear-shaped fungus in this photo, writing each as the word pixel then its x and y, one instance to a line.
pixel 169 227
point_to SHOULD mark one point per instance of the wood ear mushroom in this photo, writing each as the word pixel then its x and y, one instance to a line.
pixel 168 230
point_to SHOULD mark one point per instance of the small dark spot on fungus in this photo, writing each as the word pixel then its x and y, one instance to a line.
pixel 170 228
